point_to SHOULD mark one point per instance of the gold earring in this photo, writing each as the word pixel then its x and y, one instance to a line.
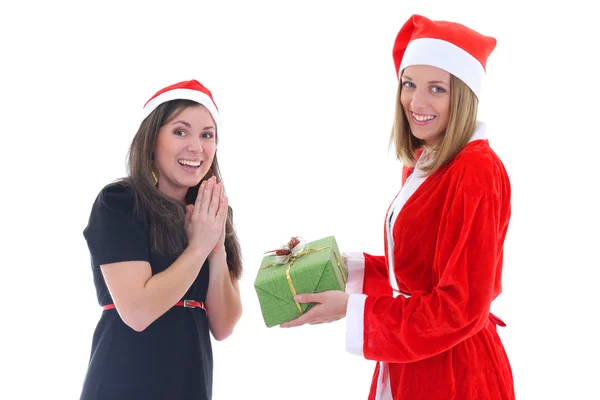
pixel 155 178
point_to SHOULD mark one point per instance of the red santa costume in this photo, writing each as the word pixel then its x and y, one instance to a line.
pixel 423 309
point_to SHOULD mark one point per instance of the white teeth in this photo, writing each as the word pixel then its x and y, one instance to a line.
pixel 423 118
pixel 190 163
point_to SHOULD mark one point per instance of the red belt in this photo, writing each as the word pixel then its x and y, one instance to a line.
pixel 184 303
pixel 496 320
pixel 492 317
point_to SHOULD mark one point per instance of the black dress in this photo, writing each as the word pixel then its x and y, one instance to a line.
pixel 170 359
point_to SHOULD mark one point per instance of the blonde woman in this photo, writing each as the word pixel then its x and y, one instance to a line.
pixel 422 310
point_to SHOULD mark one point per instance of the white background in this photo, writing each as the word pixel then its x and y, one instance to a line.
pixel 306 92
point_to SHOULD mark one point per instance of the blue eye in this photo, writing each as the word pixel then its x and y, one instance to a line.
pixel 437 89
pixel 408 84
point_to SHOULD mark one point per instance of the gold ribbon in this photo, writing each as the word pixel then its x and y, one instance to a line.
pixel 293 260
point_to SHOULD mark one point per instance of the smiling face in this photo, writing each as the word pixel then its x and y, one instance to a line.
pixel 185 149
pixel 425 98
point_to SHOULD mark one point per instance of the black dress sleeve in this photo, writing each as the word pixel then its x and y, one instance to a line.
pixel 114 232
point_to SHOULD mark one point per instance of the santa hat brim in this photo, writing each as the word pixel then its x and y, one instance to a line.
pixel 447 56
pixel 183 94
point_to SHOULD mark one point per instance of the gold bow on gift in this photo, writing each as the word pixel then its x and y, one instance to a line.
pixel 292 249
pixel 289 253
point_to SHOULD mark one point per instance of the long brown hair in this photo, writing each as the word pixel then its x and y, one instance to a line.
pixel 165 216
pixel 461 127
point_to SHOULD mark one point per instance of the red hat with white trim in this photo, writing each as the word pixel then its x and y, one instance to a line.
pixel 186 90
pixel 450 46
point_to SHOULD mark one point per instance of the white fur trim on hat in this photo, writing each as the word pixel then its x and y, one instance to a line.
pixel 447 56
pixel 183 94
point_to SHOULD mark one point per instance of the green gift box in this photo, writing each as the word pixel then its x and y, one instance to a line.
pixel 297 268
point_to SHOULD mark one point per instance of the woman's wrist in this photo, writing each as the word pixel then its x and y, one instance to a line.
pixel 199 254
pixel 218 256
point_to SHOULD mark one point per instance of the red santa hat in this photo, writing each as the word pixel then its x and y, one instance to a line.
pixel 186 90
pixel 450 46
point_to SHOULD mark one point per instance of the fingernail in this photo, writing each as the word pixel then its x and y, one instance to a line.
pixel 297 297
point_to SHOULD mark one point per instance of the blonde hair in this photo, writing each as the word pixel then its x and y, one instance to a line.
pixel 460 129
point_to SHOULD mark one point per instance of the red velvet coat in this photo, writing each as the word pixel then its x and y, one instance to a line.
pixel 441 342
